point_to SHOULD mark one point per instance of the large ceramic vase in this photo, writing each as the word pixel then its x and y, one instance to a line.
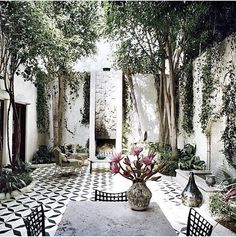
pixel 191 195
pixel 139 196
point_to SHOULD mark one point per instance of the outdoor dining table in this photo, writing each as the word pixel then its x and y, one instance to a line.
pixel 112 219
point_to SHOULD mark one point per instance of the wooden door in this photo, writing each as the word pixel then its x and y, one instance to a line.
pixel 21 111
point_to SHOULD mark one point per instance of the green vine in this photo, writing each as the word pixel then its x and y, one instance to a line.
pixel 208 88
pixel 229 110
pixel 42 103
pixel 187 97
pixel 86 95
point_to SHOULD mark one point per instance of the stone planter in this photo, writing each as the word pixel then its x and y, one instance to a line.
pixel 139 196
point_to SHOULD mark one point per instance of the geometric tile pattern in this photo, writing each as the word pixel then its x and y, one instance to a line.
pixel 55 190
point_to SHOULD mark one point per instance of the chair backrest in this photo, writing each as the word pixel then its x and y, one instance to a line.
pixel 110 197
pixel 197 225
pixel 35 222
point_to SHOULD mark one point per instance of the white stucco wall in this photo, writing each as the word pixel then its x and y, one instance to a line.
pixel 210 149
pixel 146 97
pixel 25 93
pixel 76 132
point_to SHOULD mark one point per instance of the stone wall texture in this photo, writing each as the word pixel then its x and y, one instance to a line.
pixel 105 104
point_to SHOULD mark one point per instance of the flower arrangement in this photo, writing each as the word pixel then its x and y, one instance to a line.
pixel 138 169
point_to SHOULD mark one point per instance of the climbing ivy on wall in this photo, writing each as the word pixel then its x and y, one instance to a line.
pixel 208 88
pixel 186 91
pixel 86 95
pixel 229 111
pixel 42 104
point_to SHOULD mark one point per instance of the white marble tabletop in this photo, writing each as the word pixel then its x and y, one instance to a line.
pixel 112 219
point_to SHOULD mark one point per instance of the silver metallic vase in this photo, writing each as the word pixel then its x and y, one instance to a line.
pixel 191 195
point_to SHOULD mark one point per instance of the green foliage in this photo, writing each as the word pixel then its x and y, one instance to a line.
pixel 228 179
pixel 86 95
pixel 167 159
pixel 186 90
pixel 81 149
pixel 218 207
pixel 10 181
pixel 188 160
pixel 43 156
pixel 229 111
pixel 42 103
pixel 207 91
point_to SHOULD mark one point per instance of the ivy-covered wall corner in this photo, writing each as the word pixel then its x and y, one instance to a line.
pixel 42 104
pixel 86 96
pixel 214 106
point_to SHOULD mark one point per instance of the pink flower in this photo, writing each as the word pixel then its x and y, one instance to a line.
pixel 115 168
pixel 127 161
pixel 146 160
pixel 136 151
pixel 117 158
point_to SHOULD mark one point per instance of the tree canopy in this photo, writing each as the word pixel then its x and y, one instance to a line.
pixel 161 38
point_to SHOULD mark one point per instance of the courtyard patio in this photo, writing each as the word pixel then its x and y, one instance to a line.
pixel 56 190
pixel 140 89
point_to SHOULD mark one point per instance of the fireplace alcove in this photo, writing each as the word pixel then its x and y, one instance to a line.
pixel 105 112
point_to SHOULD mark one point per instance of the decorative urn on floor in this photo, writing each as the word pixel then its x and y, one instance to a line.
pixel 137 167
pixel 191 195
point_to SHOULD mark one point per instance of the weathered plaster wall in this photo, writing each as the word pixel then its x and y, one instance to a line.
pixel 75 132
pixel 210 148
pixel 105 105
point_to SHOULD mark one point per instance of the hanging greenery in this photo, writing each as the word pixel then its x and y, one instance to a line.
pixel 42 103
pixel 86 95
pixel 187 97
pixel 229 111
pixel 208 88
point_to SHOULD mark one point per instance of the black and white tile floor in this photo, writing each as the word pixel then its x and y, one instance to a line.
pixel 54 191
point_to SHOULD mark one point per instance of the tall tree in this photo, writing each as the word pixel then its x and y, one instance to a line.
pixel 43 37
pixel 76 27
pixel 151 38
pixel 22 30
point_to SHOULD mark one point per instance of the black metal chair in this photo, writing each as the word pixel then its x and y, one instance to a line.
pixel 197 225
pixel 110 197
pixel 35 222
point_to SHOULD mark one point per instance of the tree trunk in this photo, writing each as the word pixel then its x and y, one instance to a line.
pixel 173 130
pixel 55 114
pixel 61 108
pixel 131 85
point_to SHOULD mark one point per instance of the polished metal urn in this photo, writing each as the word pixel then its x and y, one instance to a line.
pixel 191 195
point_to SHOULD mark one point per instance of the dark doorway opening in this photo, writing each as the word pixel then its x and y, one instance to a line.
pixel 105 146
pixel 1 127
pixel 21 111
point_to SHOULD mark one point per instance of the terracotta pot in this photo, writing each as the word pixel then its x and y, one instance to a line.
pixel 191 195
pixel 139 196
